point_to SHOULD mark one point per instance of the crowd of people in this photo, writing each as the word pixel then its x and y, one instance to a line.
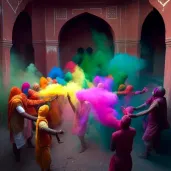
pixel 26 105
pixel 39 107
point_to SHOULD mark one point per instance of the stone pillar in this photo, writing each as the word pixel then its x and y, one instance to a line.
pixel 6 47
pixel 167 76
pixel 51 55
pixel 51 34
pixel 128 46
pixel 133 47
pixel 40 55
pixel 8 19
pixel 38 37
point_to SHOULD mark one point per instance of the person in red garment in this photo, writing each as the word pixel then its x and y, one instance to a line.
pixel 122 141
pixel 157 120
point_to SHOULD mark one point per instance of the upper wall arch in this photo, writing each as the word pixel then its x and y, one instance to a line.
pixel 88 13
pixel 147 15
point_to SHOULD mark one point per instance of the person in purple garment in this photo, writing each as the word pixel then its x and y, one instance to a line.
pixel 122 141
pixel 157 120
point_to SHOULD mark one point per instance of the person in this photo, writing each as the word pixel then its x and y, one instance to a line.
pixel 125 95
pixel 129 91
pixel 17 103
pixel 122 141
pixel 36 87
pixel 157 120
pixel 78 58
pixel 32 111
pixel 81 111
pixel 43 139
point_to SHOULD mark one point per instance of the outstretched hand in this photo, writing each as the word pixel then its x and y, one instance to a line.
pixel 145 89
pixel 68 96
pixel 61 132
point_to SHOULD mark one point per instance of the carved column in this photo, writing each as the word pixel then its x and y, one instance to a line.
pixel 6 47
pixel 131 47
pixel 167 76
pixel 8 19
pixel 51 54
pixel 38 37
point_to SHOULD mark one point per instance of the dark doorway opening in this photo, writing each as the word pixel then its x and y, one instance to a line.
pixel 22 47
pixel 153 45
pixel 77 33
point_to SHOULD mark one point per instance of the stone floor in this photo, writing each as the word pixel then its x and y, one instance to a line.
pixel 66 157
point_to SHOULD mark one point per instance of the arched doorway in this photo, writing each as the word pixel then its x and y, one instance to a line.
pixel 22 49
pixel 153 45
pixel 77 33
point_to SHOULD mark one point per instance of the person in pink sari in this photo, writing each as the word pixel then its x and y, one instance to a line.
pixel 157 120
pixel 122 141
pixel 82 111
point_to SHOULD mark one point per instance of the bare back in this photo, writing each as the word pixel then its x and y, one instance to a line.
pixel 123 141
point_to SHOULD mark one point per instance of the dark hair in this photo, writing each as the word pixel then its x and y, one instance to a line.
pixel 125 122
pixel 80 50
pixel 159 91
pixel 89 50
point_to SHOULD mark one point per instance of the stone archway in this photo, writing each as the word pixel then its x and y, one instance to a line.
pixel 77 32
pixel 22 47
pixel 153 46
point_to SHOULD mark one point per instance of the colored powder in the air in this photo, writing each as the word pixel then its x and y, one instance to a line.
pixel 70 67
pixel 103 103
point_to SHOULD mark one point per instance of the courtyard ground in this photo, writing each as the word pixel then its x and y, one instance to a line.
pixel 66 157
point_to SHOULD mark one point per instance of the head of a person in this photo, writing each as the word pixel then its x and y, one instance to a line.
pixel 129 88
pixel 89 50
pixel 36 87
pixel 159 92
pixel 125 122
pixel 100 85
pixel 80 50
pixel 14 91
pixel 43 82
pixel 43 111
pixel 25 88
pixel 121 87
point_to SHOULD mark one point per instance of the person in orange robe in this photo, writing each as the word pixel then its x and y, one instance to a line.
pixel 55 111
pixel 43 139
pixel 54 116
pixel 43 82
pixel 31 94
pixel 17 104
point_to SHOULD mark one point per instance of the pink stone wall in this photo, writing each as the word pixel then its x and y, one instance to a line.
pixel 47 20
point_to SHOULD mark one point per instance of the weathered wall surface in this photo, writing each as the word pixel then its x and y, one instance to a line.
pixel 125 21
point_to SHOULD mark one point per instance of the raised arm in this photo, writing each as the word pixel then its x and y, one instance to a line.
pixel 121 92
pixel 113 145
pixel 141 106
pixel 145 112
pixel 35 102
pixel 33 94
pixel 22 112
pixel 44 127
pixel 141 92
pixel 72 106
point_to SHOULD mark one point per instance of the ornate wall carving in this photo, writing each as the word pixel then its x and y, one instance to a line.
pixel 14 4
pixel 61 14
pixel 111 12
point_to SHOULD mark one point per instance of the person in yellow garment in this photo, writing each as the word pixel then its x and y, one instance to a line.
pixel 43 139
